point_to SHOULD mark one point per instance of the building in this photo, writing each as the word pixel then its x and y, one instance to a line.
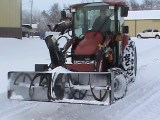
pixel 141 20
pixel 10 18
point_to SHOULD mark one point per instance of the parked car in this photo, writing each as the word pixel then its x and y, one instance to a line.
pixel 26 30
pixel 149 33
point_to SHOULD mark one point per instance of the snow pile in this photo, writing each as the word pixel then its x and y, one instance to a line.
pixel 16 97
pixel 59 70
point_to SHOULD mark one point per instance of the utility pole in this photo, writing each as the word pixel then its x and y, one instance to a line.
pixel 31 12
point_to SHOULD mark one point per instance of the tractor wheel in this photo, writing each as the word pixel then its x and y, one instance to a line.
pixel 135 62
pixel 130 61
pixel 120 86
pixel 120 83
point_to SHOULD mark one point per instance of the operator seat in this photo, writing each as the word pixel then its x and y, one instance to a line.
pixel 89 45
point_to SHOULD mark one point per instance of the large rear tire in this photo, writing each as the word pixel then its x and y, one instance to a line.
pixel 130 61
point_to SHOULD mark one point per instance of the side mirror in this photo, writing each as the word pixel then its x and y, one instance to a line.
pixel 63 15
pixel 125 29
pixel 124 11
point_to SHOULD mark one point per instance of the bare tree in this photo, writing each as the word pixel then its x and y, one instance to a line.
pixel 26 16
pixel 145 5
pixel 36 16
pixel 55 13
pixel 150 5
pixel 46 17
pixel 133 5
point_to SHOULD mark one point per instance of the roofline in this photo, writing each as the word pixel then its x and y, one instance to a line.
pixel 139 19
pixel 136 15
pixel 116 3
pixel 109 3
pixel 144 10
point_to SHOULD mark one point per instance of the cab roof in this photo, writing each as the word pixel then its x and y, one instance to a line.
pixel 98 4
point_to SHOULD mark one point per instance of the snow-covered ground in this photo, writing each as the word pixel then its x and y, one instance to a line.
pixel 142 101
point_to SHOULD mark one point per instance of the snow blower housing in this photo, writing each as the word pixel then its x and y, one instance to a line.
pixel 103 60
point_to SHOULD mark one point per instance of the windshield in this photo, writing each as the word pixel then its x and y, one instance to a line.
pixel 99 19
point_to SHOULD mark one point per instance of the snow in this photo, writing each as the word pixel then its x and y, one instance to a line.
pixel 143 15
pixel 142 101
pixel 16 97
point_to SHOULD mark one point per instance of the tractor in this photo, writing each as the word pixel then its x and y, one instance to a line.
pixel 95 66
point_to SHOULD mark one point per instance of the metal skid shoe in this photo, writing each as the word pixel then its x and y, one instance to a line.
pixel 68 87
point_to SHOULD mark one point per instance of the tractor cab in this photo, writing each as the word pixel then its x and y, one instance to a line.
pixel 95 27
pixel 85 15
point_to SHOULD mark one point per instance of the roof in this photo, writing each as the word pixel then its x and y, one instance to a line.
pixel 143 15
pixel 97 4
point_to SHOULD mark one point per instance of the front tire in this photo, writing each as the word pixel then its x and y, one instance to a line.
pixel 139 36
pixel 157 37
pixel 120 83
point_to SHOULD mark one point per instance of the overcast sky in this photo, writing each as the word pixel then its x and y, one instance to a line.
pixel 46 4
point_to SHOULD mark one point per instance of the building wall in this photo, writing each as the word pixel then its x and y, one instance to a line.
pixel 132 27
pixel 10 18
pixel 136 26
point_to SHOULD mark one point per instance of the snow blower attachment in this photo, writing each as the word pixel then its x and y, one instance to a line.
pixel 67 87
pixel 95 66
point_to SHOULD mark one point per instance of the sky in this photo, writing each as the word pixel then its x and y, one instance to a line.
pixel 46 4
